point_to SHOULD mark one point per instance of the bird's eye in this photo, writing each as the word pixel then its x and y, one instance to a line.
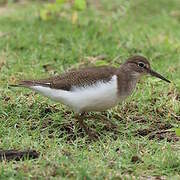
pixel 141 64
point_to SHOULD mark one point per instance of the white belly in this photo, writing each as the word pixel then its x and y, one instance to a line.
pixel 97 97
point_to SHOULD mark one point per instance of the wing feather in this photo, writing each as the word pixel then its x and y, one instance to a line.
pixel 81 77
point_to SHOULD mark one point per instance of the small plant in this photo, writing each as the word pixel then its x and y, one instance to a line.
pixel 52 10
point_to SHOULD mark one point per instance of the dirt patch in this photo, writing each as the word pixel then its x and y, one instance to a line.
pixel 18 155
pixel 159 132
pixel 169 135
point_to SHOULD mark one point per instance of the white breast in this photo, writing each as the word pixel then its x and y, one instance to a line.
pixel 97 97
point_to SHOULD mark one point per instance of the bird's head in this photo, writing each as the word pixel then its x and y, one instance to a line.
pixel 139 65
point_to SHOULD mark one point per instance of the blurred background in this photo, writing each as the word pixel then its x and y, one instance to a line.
pixel 39 39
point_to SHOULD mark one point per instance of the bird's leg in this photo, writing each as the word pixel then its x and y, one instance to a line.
pixel 80 117
pixel 105 120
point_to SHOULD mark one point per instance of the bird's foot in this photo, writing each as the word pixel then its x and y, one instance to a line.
pixel 91 133
pixel 105 120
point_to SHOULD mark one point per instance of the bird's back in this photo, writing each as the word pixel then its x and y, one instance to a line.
pixel 87 89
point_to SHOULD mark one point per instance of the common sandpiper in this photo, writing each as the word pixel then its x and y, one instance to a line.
pixel 93 88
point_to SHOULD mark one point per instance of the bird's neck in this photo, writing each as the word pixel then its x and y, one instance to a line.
pixel 127 80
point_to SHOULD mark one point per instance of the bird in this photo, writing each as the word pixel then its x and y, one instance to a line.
pixel 93 88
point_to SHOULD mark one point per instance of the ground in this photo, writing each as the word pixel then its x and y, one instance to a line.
pixel 144 144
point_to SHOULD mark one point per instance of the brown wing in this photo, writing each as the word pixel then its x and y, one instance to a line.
pixel 81 77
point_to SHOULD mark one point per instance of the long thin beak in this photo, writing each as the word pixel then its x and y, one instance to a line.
pixel 153 73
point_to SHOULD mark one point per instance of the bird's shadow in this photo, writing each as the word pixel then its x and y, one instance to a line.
pixel 103 124
pixel 70 130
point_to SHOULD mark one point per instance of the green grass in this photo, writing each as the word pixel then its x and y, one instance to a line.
pixel 145 120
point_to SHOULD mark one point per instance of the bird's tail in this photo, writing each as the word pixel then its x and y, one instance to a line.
pixel 23 83
pixel 29 84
